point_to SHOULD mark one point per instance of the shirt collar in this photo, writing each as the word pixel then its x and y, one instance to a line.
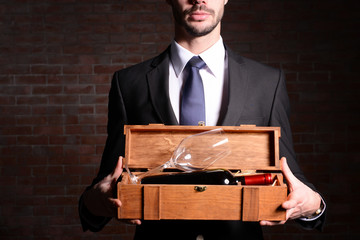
pixel 213 57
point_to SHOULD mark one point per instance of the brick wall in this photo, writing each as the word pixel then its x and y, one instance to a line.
pixel 57 59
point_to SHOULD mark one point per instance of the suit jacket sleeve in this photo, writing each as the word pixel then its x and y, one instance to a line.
pixel 280 117
pixel 113 149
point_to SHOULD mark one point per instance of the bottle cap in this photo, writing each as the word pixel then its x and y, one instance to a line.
pixel 268 178
pixel 259 179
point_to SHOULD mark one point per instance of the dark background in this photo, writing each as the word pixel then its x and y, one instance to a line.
pixel 57 59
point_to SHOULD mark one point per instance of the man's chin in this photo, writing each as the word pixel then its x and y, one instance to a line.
pixel 195 29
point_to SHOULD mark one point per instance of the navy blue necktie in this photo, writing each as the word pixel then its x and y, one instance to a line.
pixel 192 110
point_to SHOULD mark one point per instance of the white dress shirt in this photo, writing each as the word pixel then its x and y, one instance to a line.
pixel 213 75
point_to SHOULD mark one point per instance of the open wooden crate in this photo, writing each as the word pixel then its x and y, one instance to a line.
pixel 253 149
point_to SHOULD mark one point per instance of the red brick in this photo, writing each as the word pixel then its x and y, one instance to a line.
pixel 63 180
pixel 100 148
pixel 145 7
pixel 78 49
pixel 6 79
pixel 59 59
pixel 314 77
pixel 101 89
pixel 30 79
pixel 16 130
pixel 106 69
pixel 15 69
pixel 122 18
pixel 48 130
pixel 129 59
pixel 15 90
pixel 45 69
pixel 101 109
pixel 93 120
pixel 48 90
pixel 64 119
pixel 164 27
pixel 93 140
pixel 62 201
pixel 64 140
pixel 78 110
pixel 76 170
pixel 60 79
pixel 96 79
pixel 64 99
pixel 83 129
pixel 94 99
pixel 7 140
pixel 77 69
pixel 92 19
pixel 79 89
pixel 47 110
pixel 125 38
pixel 35 100
pixel 48 151
pixel 36 140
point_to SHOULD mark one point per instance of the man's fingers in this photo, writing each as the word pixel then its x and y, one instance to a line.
pixel 113 205
pixel 270 223
pixel 116 203
pixel 132 222
pixel 135 222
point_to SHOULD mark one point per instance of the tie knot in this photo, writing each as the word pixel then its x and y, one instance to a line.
pixel 197 62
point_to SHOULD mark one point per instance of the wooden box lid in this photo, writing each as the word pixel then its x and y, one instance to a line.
pixel 252 148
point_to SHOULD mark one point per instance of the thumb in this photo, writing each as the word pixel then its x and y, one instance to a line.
pixel 118 169
pixel 289 176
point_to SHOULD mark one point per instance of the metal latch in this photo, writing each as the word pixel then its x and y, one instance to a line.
pixel 200 188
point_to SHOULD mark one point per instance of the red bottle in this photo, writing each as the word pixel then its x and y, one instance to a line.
pixel 209 177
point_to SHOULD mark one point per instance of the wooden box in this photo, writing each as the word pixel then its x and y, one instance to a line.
pixel 253 149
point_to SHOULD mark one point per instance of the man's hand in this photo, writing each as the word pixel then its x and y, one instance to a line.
pixel 302 201
pixel 99 199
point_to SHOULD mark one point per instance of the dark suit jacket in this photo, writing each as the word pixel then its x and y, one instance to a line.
pixel 139 95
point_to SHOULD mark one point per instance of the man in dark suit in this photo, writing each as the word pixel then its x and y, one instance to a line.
pixel 237 91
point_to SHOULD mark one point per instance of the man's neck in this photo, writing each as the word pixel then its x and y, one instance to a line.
pixel 197 45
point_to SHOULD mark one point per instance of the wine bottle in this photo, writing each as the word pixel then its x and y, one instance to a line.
pixel 209 177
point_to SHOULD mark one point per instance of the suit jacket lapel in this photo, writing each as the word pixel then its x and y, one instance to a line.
pixel 237 89
pixel 158 83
